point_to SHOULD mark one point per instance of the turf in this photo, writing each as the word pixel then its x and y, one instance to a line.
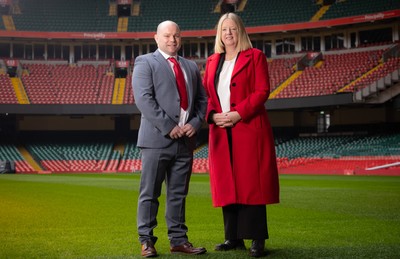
pixel 93 216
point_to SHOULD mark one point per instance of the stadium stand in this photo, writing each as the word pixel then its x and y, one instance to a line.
pixel 359 7
pixel 200 163
pixel 75 15
pixel 9 152
pixel 382 71
pixel 153 11
pixel 94 16
pixel 336 154
pixel 66 84
pixel 339 71
pixel 7 93
pixel 280 69
pixel 128 95
pixel 72 157
pixel 336 71
pixel 278 12
pixel 130 161
pixel 93 80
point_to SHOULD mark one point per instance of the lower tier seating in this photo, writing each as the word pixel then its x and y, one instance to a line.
pixel 344 154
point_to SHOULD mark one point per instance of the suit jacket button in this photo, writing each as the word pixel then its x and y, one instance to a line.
pixel 233 84
pixel 233 105
pixel 176 116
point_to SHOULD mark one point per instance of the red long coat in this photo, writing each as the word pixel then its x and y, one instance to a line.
pixel 253 180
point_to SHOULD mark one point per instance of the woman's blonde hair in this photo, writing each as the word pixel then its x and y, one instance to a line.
pixel 243 39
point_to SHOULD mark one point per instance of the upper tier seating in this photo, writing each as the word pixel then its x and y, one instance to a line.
pixel 64 84
pixel 337 71
pixel 60 16
pixel 189 15
pixel 93 16
pixel 359 7
pixel 388 67
pixel 280 69
pixel 7 93
pixel 259 13
pixel 128 95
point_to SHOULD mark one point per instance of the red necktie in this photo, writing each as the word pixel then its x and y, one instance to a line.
pixel 180 81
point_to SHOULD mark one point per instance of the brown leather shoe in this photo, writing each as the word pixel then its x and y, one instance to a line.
pixel 148 249
pixel 187 248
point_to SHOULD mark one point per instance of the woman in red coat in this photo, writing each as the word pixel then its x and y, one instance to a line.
pixel 243 170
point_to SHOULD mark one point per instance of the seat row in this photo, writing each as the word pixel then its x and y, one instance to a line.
pixel 370 150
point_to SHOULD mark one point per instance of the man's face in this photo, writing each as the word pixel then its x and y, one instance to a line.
pixel 168 38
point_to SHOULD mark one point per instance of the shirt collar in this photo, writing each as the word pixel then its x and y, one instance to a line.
pixel 166 56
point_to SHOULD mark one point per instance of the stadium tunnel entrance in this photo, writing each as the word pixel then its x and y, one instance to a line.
pixel 121 72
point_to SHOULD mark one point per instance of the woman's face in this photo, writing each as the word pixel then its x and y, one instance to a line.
pixel 229 33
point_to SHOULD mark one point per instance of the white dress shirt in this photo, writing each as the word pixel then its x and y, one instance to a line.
pixel 223 89
pixel 184 114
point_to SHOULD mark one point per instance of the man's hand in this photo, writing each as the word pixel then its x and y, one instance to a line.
pixel 189 130
pixel 177 132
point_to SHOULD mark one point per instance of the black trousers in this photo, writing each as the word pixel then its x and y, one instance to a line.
pixel 245 221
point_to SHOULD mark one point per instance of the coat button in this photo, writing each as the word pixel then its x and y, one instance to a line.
pixel 233 84
pixel 176 116
pixel 233 105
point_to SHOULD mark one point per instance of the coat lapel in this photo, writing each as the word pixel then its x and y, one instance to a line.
pixel 213 67
pixel 242 61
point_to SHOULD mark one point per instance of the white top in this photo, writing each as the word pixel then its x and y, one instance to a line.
pixel 184 114
pixel 223 89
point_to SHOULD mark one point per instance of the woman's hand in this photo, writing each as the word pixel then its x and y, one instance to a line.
pixel 226 119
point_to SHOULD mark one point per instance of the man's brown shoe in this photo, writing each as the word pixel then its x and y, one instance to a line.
pixel 187 248
pixel 148 249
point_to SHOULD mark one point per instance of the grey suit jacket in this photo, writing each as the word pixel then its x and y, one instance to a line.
pixel 156 96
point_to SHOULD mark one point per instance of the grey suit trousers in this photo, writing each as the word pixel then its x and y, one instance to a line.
pixel 173 165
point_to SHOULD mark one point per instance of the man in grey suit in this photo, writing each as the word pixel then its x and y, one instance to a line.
pixel 167 137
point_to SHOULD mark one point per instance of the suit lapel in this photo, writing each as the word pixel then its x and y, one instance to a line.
pixel 168 71
pixel 164 63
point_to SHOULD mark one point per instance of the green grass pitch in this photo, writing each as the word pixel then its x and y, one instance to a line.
pixel 94 216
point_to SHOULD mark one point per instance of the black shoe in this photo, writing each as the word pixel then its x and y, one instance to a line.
pixel 257 248
pixel 230 245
